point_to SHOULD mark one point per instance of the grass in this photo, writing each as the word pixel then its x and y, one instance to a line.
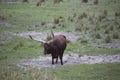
pixel 23 17
pixel 108 71
pixel 89 49
pixel 19 48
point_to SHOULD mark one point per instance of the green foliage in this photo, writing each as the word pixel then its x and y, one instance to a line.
pixel 17 49
pixel 56 21
pixel 57 1
pixel 96 2
pixel 49 37
pixel 86 48
pixel 25 0
pixel 84 41
pixel 84 1
pixel 108 71
pixel 98 36
pixel 33 74
pixel 108 39
pixel 115 35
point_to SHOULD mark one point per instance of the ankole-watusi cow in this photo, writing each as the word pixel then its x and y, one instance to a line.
pixel 55 47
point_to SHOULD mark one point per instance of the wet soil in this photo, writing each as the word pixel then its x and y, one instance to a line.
pixel 68 59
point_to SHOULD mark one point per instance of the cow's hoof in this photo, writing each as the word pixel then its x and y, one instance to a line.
pixel 61 63
pixel 52 63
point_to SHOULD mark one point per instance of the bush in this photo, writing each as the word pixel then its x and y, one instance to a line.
pixel 25 0
pixel 115 35
pixel 98 36
pixel 108 39
pixel 70 19
pixel 79 25
pixel 111 28
pixel 40 2
pixel 103 15
pixel 56 20
pixel 107 31
pixel 3 18
pixel 96 2
pixel 84 1
pixel 84 41
pixel 57 1
pixel 117 13
pixel 43 23
pixel 18 45
pixel 49 37
pixel 83 15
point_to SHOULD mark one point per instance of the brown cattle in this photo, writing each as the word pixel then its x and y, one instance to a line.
pixel 55 47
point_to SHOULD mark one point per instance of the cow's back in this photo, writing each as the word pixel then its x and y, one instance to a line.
pixel 60 41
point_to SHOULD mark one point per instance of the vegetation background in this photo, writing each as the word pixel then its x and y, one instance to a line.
pixel 96 22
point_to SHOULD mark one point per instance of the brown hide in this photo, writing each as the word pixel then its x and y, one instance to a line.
pixel 56 48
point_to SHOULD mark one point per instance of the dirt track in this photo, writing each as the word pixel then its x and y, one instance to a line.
pixel 68 59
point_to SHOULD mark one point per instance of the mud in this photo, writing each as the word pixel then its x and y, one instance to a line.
pixel 68 59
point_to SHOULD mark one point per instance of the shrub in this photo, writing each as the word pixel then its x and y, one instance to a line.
pixel 108 39
pixel 18 45
pixel 40 2
pixel 83 15
pixel 57 1
pixel 70 19
pixel 68 41
pixel 107 31
pixel 84 41
pixel 79 25
pixel 56 20
pixel 105 12
pixel 43 23
pixel 111 28
pixel 84 1
pixel 2 18
pixel 25 0
pixel 117 13
pixel 49 37
pixel 98 36
pixel 103 15
pixel 115 35
pixel 96 2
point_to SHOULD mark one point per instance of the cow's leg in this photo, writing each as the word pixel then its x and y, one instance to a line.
pixel 61 59
pixel 56 59
pixel 52 60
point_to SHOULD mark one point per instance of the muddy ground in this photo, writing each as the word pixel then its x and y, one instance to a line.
pixel 68 59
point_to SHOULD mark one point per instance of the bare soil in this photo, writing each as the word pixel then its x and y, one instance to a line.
pixel 68 59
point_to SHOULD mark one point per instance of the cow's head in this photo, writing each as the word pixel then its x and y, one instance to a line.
pixel 46 45
pixel 47 48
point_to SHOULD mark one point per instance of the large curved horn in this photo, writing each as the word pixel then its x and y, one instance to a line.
pixel 41 41
pixel 52 34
